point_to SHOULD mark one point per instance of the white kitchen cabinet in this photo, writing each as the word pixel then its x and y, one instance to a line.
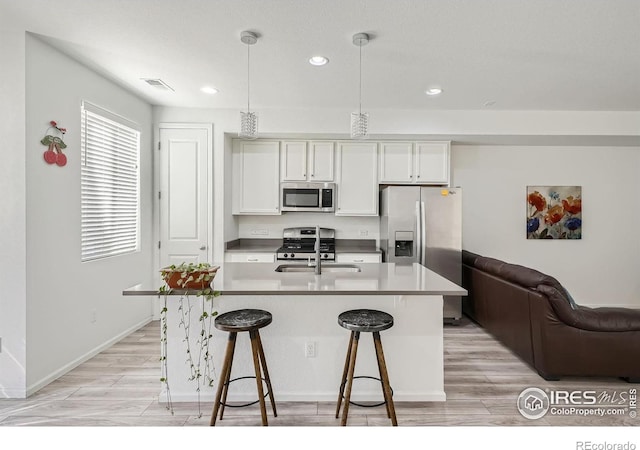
pixel 357 179
pixel 414 162
pixel 432 162
pixel 306 160
pixel 256 177
pixel 249 257
pixel 396 162
pixel 344 258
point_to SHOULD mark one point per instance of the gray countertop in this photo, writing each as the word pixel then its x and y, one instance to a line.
pixel 373 279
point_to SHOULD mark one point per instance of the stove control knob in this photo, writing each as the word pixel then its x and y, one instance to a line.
pixel 293 254
pixel 325 256
pixel 285 255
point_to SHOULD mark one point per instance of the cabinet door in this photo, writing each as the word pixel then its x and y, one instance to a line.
pixel 256 181
pixel 432 162
pixel 294 160
pixel 358 258
pixel 249 257
pixel 320 161
pixel 357 179
pixel 396 162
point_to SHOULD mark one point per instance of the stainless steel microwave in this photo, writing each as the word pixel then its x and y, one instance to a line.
pixel 313 197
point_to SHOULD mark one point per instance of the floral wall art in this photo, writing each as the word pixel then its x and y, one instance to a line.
pixel 554 212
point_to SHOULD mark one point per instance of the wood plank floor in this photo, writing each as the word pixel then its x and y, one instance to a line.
pixel 120 386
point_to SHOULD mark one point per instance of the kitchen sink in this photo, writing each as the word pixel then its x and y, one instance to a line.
pixel 328 268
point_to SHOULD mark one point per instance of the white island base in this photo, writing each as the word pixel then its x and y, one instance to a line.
pixel 305 309
pixel 413 348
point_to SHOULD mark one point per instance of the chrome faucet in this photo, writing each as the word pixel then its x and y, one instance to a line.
pixel 317 249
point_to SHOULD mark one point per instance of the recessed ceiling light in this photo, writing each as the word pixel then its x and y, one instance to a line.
pixel 209 90
pixel 433 91
pixel 318 60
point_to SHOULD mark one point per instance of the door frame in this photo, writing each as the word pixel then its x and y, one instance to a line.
pixel 208 127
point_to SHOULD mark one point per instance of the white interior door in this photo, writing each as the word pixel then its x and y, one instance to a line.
pixel 184 195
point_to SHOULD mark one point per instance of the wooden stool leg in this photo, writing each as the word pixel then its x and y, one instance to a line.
pixel 227 378
pixel 263 360
pixel 352 367
pixel 384 392
pixel 384 376
pixel 224 376
pixel 256 365
pixel 343 381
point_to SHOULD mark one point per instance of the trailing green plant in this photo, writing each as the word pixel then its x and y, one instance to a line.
pixel 200 359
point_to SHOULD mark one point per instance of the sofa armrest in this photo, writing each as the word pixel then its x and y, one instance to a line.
pixel 592 319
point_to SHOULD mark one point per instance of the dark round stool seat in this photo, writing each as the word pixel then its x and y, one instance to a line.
pixel 243 320
pixel 365 320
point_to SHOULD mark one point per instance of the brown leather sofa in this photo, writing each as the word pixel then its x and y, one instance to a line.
pixel 536 318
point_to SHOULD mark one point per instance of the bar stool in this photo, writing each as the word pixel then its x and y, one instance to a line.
pixel 250 320
pixel 364 320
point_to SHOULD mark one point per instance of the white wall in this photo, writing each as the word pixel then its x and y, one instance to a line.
pixel 346 227
pixel 62 293
pixel 13 236
pixel 601 269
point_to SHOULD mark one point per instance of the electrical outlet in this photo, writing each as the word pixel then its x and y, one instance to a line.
pixel 260 232
pixel 310 349
pixel 364 233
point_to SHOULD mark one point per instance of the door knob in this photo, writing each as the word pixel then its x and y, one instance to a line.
pixel 204 247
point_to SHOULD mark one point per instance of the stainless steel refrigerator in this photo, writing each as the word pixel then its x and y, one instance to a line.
pixel 423 224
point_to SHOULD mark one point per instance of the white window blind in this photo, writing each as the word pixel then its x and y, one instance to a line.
pixel 110 184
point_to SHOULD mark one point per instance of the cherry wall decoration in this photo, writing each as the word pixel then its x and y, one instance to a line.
pixel 54 139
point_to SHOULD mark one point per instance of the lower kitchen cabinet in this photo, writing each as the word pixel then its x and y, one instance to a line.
pixel 249 257
pixel 358 257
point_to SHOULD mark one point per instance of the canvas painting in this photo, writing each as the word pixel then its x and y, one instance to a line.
pixel 554 212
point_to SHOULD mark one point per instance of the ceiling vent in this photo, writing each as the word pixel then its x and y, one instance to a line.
pixel 157 83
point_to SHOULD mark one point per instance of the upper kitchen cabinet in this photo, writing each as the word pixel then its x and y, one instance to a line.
pixel 415 162
pixel 306 160
pixel 357 179
pixel 256 177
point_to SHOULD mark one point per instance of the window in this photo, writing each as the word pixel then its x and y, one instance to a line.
pixel 110 184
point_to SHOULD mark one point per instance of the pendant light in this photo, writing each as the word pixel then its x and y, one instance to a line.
pixel 248 120
pixel 360 120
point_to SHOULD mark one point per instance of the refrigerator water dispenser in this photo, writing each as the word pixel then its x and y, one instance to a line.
pixel 404 243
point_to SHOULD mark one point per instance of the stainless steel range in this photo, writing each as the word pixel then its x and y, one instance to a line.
pixel 298 244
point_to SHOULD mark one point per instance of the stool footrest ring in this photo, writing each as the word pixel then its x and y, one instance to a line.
pixel 363 405
pixel 244 404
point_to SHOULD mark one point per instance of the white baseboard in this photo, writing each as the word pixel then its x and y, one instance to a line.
pixel 33 388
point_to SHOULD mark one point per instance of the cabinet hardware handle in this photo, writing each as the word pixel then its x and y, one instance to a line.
pixel 252 259
pixel 358 260
pixel 204 247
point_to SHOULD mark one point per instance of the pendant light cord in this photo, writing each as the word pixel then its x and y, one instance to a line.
pixel 248 77
pixel 360 100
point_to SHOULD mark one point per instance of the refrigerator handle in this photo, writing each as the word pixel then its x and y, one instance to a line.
pixel 418 233
pixel 423 238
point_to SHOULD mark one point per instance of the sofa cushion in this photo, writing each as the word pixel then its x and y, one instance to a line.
pixel 522 276
pixel 592 319
pixel 490 265
pixel 469 258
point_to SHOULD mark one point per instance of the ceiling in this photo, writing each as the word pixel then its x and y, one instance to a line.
pixel 569 55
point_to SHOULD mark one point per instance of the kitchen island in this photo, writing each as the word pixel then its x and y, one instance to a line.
pixel 304 345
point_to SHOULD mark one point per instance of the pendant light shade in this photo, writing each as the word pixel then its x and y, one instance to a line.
pixel 248 119
pixel 360 120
